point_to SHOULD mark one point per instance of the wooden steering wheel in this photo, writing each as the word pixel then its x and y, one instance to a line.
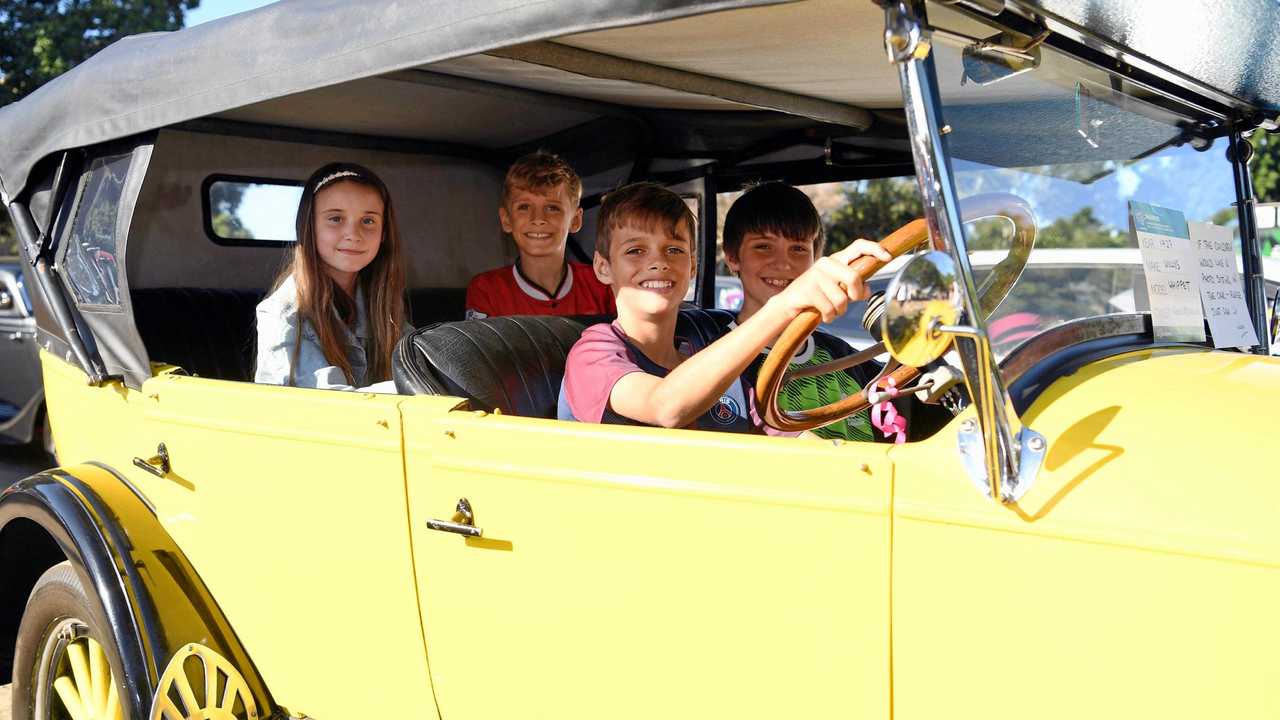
pixel 773 372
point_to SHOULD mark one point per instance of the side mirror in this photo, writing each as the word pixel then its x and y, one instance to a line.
pixel 6 301
pixel 923 297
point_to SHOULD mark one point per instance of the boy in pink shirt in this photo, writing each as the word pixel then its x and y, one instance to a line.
pixel 635 370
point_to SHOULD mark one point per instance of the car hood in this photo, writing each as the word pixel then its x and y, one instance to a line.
pixel 1167 450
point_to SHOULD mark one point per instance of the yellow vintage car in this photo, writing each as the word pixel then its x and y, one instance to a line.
pixel 1086 528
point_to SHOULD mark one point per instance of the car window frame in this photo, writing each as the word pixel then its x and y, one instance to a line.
pixel 206 208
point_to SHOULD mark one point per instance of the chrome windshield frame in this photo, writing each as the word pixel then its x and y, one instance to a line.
pixel 907 41
pixel 1012 452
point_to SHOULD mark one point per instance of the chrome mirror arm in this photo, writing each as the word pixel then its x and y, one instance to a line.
pixel 908 46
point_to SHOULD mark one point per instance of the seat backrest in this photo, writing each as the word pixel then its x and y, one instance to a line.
pixel 206 332
pixel 512 363
pixel 212 332
pixel 434 305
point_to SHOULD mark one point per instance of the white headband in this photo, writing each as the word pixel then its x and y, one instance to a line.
pixel 340 174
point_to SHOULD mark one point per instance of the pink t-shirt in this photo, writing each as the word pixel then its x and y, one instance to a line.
pixel 603 355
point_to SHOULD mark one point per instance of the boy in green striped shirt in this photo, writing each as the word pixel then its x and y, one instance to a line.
pixel 772 234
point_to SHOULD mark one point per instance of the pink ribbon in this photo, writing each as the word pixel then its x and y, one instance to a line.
pixel 890 423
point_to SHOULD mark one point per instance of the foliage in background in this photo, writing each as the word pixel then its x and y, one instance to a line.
pixel 1265 169
pixel 873 209
pixel 224 201
pixel 41 39
pixel 1265 166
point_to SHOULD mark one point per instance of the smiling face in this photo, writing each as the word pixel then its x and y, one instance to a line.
pixel 540 220
pixel 767 263
pixel 649 269
pixel 348 222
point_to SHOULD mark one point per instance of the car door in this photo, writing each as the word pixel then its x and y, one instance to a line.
pixel 638 572
pixel 19 357
pixel 290 503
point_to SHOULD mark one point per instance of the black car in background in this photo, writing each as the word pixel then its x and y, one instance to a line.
pixel 22 416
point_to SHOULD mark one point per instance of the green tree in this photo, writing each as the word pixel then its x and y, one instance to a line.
pixel 1265 166
pixel 224 201
pixel 41 39
pixel 1082 229
pixel 872 209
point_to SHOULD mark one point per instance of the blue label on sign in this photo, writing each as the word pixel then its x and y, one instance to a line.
pixel 1158 220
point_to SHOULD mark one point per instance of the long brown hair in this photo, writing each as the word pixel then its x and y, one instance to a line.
pixel 322 303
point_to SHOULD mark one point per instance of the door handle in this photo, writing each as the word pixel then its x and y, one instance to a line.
pixel 157 464
pixel 462 523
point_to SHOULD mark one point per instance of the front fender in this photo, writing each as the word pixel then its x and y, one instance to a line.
pixel 151 596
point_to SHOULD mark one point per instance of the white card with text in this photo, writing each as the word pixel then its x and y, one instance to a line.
pixel 1170 265
pixel 1221 289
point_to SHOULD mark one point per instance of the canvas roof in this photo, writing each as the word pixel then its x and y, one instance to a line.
pixel 352 67
pixel 154 80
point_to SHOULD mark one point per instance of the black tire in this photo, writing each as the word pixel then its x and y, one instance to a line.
pixel 59 607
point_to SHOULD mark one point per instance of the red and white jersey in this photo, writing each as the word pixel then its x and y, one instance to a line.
pixel 506 291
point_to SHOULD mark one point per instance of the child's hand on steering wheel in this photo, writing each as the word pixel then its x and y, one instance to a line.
pixel 831 283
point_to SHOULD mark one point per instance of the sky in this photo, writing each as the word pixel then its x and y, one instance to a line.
pixel 214 9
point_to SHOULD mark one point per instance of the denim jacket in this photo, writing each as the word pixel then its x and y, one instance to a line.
pixel 278 322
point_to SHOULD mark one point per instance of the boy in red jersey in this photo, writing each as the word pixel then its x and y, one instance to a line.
pixel 540 197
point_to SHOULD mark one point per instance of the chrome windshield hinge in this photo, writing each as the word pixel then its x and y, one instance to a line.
pixel 904 35
pixel 1030 448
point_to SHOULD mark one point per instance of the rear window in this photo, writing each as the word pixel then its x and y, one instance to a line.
pixel 89 259
pixel 242 210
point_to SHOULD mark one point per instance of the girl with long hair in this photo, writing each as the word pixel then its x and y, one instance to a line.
pixel 337 309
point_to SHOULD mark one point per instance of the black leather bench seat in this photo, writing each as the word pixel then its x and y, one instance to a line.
pixel 212 332
pixel 511 363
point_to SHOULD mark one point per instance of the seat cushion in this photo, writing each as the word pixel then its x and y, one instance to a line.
pixel 511 363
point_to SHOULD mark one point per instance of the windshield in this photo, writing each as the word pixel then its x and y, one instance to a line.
pixel 1078 145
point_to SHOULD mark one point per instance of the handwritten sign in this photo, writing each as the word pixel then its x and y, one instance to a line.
pixel 1171 268
pixel 1221 289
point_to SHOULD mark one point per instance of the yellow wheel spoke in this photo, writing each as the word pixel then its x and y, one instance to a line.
pixel 80 671
pixel 66 690
pixel 236 688
pixel 165 710
pixel 218 705
pixel 210 684
pixel 99 678
pixel 111 709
